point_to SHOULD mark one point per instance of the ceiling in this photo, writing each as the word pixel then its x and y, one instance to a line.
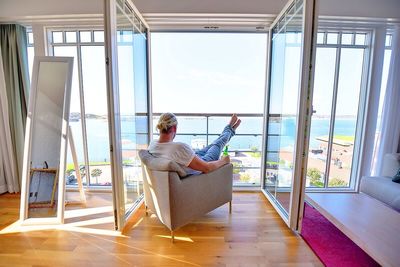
pixel 355 8
pixel 210 6
pixel 193 13
pixel 256 14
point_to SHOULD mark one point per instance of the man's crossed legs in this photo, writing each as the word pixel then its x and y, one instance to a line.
pixel 213 151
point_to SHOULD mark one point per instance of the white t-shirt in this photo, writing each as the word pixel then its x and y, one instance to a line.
pixel 179 152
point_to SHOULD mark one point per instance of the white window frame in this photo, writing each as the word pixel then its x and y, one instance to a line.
pixel 361 105
pixel 78 46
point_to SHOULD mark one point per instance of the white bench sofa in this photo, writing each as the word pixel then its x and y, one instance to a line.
pixel 382 187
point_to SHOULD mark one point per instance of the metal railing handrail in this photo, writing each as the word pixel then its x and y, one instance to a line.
pixel 207 116
pixel 212 114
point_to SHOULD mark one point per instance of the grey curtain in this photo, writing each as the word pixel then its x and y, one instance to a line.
pixel 8 167
pixel 13 41
pixel 388 141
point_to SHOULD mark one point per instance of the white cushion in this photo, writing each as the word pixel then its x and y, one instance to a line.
pixel 383 189
pixel 391 164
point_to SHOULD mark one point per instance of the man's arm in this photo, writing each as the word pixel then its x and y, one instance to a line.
pixel 200 165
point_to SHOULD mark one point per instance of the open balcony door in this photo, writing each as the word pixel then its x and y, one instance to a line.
pixel 126 43
pixel 288 109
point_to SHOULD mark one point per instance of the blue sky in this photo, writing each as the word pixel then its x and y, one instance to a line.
pixel 208 72
pixel 218 73
pixel 225 72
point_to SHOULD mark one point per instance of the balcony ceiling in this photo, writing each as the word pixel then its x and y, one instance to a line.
pixel 211 6
pixel 256 14
pixel 354 8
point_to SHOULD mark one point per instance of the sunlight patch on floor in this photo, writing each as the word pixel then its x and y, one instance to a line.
pixel 187 239
pixel 17 227
pixel 86 211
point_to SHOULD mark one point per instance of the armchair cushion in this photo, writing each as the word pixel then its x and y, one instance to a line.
pixel 160 164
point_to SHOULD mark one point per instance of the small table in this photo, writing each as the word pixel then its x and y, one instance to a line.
pixel 369 223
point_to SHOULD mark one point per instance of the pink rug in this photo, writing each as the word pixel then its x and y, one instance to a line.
pixel 332 246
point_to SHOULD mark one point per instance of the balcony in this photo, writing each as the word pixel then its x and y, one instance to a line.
pixel 245 148
pixel 197 130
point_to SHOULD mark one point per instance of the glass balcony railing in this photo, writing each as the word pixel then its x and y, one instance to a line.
pixel 245 148
pixel 197 130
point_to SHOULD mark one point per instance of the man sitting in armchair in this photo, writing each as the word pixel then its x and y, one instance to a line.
pixel 204 160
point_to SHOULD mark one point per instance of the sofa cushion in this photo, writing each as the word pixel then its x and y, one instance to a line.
pixel 160 164
pixel 396 177
pixel 391 164
pixel 383 189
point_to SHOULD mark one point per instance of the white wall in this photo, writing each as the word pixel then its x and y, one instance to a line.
pixel 361 8
pixel 17 8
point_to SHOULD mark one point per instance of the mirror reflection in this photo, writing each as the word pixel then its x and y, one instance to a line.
pixel 46 139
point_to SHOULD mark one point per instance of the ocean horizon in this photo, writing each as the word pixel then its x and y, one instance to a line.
pixel 249 134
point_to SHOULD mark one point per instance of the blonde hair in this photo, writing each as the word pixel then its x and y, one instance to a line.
pixel 166 121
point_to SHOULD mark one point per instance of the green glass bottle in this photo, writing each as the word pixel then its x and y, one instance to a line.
pixel 226 151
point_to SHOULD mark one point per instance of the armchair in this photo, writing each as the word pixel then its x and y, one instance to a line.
pixel 177 201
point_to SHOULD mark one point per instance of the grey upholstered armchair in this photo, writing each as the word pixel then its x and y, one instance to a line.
pixel 177 201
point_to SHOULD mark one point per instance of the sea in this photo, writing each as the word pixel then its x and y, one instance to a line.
pixel 192 130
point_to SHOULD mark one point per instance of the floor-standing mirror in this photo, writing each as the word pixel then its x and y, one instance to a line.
pixel 42 196
pixel 126 42
pixel 290 50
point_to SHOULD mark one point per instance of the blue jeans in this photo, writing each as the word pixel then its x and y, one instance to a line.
pixel 214 150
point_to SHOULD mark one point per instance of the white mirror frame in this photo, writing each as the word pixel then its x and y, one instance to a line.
pixel 59 219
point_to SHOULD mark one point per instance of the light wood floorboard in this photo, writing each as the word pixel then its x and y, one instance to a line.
pixel 253 235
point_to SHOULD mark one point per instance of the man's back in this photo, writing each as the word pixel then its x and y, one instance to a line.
pixel 179 152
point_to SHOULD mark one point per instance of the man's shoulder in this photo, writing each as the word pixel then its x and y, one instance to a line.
pixel 170 144
pixel 180 144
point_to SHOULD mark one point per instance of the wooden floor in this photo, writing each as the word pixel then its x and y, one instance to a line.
pixel 253 235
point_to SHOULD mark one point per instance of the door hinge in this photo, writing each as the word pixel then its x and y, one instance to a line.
pixel 115 220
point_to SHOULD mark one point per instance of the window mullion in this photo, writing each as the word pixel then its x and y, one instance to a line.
pixel 333 115
pixel 83 113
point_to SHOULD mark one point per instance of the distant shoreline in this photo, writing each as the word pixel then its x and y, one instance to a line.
pixel 104 116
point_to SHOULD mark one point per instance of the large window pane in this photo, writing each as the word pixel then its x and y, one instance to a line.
pixel 344 135
pixel 88 78
pixel 94 86
pixel 140 71
pixel 320 122
pixel 208 72
pixel 127 97
pixel 336 105
pixel 132 78
pixel 283 107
